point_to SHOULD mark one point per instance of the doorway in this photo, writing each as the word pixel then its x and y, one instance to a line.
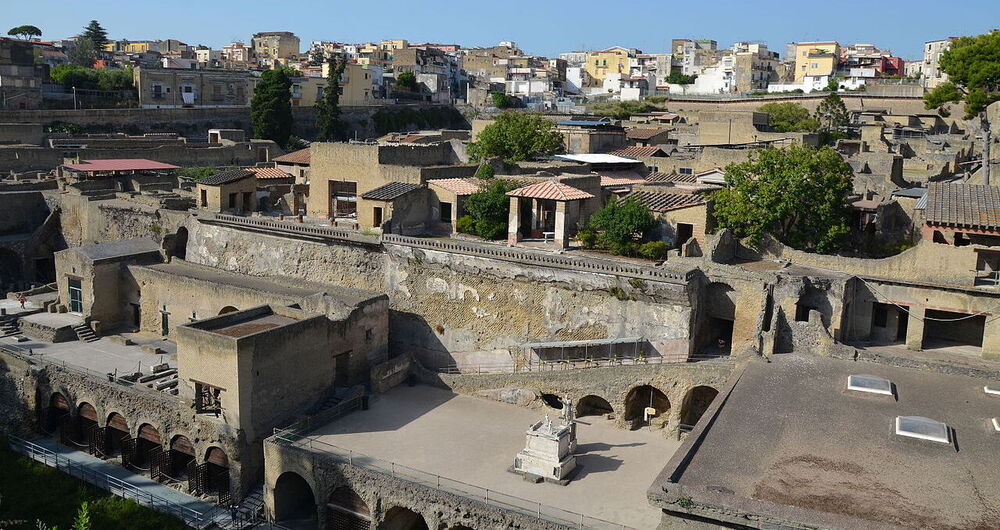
pixel 377 216
pixel 342 369
pixel 75 296
pixel 684 233
pixel 164 323
pixel 136 315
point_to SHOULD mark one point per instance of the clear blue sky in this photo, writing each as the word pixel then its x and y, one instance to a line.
pixel 544 27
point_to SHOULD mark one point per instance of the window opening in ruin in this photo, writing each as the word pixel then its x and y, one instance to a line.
pixel 75 295
pixel 342 369
pixel 802 312
pixel 445 212
pixel 684 233
pixel 207 399
pixel 232 200
pixel 377 216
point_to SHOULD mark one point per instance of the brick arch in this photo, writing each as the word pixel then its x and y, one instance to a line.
pixel 696 401
pixel 403 518
pixel 294 498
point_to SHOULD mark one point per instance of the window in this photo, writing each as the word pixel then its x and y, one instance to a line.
pixel 204 197
pixel 207 399
pixel 232 200
pixel 685 171
pixel 369 334
pixel 75 296
pixel 814 65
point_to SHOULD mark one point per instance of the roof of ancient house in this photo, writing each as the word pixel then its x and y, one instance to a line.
pixel 119 164
pixel 550 190
pixel 118 249
pixel 659 201
pixel 390 191
pixel 690 178
pixel 644 134
pixel 226 177
pixel 265 173
pixel 636 151
pixel 295 157
pixel 964 205
pixel 457 186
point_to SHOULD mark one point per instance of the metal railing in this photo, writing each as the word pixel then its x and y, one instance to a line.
pixel 296 228
pixel 325 416
pixel 555 365
pixel 115 486
pixel 465 490
pixel 29 356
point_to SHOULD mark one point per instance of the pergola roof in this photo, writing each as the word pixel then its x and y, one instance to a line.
pixel 550 190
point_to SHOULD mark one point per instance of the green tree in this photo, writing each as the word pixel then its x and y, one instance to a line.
pixel 515 137
pixel 621 225
pixel 501 100
pixel 832 113
pixel 621 109
pixel 789 117
pixel 489 208
pixel 316 57
pixel 83 53
pixel 82 521
pixel 271 107
pixel 328 121
pixel 973 68
pixel 97 34
pixel 798 194
pixel 25 32
pixel 407 81
pixel 677 78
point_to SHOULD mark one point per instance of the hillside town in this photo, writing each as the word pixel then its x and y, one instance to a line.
pixel 413 285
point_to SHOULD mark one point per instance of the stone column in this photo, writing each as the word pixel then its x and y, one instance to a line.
pixel 562 235
pixel 513 221
pixel 536 218
pixel 915 328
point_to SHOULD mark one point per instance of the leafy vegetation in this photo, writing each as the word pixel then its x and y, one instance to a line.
pixel 489 209
pixel 501 100
pixel 621 109
pixel 328 121
pixel 25 32
pixel 407 81
pixel 789 117
pixel 621 226
pixel 407 118
pixel 797 194
pixel 515 137
pixel 70 75
pixel 271 108
pixel 654 250
pixel 35 492
pixel 485 171
pixel 677 78
pixel 83 53
pixel 200 172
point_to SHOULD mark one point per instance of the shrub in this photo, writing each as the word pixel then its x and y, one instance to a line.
pixel 465 224
pixel 485 172
pixel 587 237
pixel 655 250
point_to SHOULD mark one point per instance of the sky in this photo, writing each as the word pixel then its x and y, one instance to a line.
pixel 541 27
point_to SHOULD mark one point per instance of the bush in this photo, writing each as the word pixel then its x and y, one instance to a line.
pixel 622 224
pixel 587 237
pixel 485 172
pixel 465 224
pixel 622 248
pixel 654 250
pixel 491 228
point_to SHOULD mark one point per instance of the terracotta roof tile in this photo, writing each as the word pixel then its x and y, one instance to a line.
pixel 551 190
pixel 607 182
pixel 964 205
pixel 637 152
pixel 644 134
pixel 658 201
pixel 295 157
pixel 457 186
pixel 265 173
pixel 671 177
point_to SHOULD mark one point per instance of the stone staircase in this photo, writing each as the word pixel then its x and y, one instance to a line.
pixel 84 333
pixel 249 513
pixel 8 328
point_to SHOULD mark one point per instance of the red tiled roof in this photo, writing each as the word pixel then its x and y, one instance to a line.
pixel 551 190
pixel 608 182
pixel 636 151
pixel 295 157
pixel 671 177
pixel 457 186
pixel 644 134
pixel 658 201
pixel 119 164
pixel 265 173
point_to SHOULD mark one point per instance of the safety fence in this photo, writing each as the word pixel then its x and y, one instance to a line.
pixel 516 366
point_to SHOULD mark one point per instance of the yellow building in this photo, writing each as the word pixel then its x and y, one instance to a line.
pixel 610 61
pixel 397 44
pixel 356 84
pixel 815 59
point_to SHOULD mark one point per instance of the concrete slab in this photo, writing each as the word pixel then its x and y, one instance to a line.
pixel 103 356
pixel 54 320
pixel 475 440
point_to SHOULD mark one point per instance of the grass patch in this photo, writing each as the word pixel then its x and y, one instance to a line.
pixel 30 492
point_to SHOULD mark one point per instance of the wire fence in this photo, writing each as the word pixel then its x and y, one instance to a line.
pixel 570 364
pixel 115 486
pixel 455 487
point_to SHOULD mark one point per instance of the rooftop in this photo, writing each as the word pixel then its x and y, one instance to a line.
pixel 119 164
pixel 659 201
pixel 964 205
pixel 390 191
pixel 644 134
pixel 595 158
pixel 635 151
pixel 227 177
pixel 117 249
pixel 813 452
pixel 457 186
pixel 248 322
pixel 451 435
pixel 295 157
pixel 269 173
pixel 102 356
pixel 672 177
pixel 552 190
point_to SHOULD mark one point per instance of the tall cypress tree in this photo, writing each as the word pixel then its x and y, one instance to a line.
pixel 271 108
pixel 328 107
pixel 96 33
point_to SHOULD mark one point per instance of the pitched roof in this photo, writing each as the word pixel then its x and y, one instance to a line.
pixel 658 201
pixel 965 205
pixel 120 164
pixel 225 177
pixel 390 191
pixel 609 181
pixel 266 173
pixel 295 157
pixel 644 134
pixel 457 186
pixel 635 151
pixel 672 177
pixel 551 190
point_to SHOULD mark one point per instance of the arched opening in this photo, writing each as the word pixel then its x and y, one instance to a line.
pixel 228 309
pixel 116 436
pixel 180 458
pixel 696 402
pixel 593 406
pixel 346 509
pixel 294 503
pixel 148 446
pixel 53 414
pixel 399 518
pixel 644 397
pixel 552 400
pixel 716 335
pixel 180 243
pixel 217 472
pixel 88 429
pixel 10 271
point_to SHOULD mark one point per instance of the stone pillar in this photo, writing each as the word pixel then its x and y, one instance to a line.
pixel 536 218
pixel 991 338
pixel 514 222
pixel 915 328
pixel 562 235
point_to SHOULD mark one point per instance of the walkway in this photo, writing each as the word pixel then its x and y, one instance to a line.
pixel 122 482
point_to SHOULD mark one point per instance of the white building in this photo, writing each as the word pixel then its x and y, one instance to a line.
pixel 930 68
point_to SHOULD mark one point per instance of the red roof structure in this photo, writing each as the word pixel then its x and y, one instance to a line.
pixel 636 151
pixel 550 190
pixel 295 157
pixel 265 173
pixel 460 187
pixel 119 164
